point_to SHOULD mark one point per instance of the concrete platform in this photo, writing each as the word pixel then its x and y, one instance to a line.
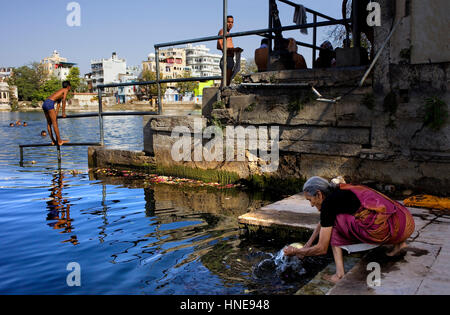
pixel 294 213
pixel 421 269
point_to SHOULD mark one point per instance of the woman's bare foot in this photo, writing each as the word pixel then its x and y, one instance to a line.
pixel 62 142
pixel 333 278
pixel 397 249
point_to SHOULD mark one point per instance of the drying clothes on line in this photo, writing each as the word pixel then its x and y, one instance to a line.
pixel 300 18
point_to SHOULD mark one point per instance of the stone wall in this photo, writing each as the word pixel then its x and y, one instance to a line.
pixel 379 132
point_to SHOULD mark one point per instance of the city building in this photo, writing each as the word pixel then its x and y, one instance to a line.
pixel 57 66
pixel 202 62
pixel 125 94
pixel 106 71
pixel 5 93
pixel 172 64
pixel 5 73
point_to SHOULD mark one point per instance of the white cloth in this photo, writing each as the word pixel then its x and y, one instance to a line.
pixel 300 18
pixel 358 247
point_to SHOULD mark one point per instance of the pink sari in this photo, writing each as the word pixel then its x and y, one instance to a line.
pixel 379 220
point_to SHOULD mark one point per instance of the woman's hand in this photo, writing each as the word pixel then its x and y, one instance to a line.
pixel 290 251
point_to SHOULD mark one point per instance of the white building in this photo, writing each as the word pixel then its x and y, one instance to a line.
pixel 5 93
pixel 5 73
pixel 126 94
pixel 202 62
pixel 106 71
pixel 57 66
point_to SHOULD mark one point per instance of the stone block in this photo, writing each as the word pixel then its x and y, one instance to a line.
pixel 348 57
pixel 208 99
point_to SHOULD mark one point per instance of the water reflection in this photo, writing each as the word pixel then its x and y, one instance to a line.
pixel 59 208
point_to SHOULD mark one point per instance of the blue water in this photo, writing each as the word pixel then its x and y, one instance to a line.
pixel 127 237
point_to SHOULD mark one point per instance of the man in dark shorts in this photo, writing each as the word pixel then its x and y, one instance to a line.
pixel 230 49
pixel 51 115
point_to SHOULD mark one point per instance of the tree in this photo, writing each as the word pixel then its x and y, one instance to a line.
pixel 28 80
pixel 188 86
pixel 48 88
pixel 74 78
pixel 13 102
pixel 151 90
pixel 337 33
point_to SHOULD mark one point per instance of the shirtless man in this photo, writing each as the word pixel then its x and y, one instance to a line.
pixel 51 115
pixel 230 49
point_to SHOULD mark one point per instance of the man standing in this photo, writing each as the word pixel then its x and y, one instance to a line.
pixel 51 115
pixel 230 49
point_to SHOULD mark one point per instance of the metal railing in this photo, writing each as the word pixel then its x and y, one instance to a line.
pixel 267 32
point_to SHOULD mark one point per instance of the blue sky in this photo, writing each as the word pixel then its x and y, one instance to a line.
pixel 30 30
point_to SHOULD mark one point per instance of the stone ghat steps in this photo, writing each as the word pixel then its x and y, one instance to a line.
pixel 318 77
pixel 294 212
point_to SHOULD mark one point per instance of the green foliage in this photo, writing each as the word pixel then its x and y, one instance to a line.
pixel 13 102
pixel 217 122
pixel 436 113
pixel 28 80
pixel 74 78
pixel 188 86
pixel 208 175
pixel 151 90
pixel 218 105
pixel 297 102
pixel 48 88
pixel 250 107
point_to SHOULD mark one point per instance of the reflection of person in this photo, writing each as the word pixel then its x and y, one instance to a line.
pixel 230 49
pixel 355 216
pixel 262 55
pixel 299 61
pixel 51 115
pixel 59 208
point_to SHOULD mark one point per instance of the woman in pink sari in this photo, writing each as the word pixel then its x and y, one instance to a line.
pixel 353 216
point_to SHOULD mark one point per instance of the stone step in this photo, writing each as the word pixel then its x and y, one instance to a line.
pixel 294 213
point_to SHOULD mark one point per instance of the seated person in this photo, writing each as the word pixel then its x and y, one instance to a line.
pixel 327 56
pixel 262 55
pixel 299 61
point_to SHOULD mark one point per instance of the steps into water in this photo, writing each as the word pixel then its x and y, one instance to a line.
pixel 293 213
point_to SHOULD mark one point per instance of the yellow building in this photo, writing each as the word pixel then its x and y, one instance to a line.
pixel 172 63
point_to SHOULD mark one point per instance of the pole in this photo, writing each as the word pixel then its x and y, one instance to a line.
pixel 224 40
pixel 100 117
pixel 157 81
pixel 314 41
pixel 271 35
pixel 58 148
pixel 356 26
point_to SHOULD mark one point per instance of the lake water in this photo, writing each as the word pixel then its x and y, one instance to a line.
pixel 127 237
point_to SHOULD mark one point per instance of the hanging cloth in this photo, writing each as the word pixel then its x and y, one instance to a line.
pixel 300 18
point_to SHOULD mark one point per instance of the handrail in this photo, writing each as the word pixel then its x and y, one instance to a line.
pixel 267 32
pixel 260 32
pixel 102 86
pixel 308 10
